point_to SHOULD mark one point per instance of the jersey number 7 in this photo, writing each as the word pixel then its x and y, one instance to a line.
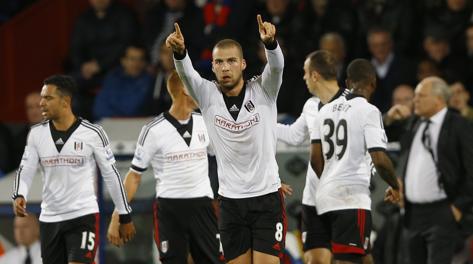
pixel 339 139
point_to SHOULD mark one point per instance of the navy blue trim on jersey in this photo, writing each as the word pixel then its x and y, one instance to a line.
pixel 144 134
pixel 16 186
pixel 98 130
pixel 352 95
pixel 340 92
pixel 376 149
pixel 234 101
pixel 63 135
pixel 125 200
pixel 315 141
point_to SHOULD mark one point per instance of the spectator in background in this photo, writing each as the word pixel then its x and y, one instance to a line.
pixel 401 109
pixel 427 68
pixel 33 116
pixel 5 150
pixel 26 233
pixel 126 90
pixel 334 43
pixel 161 98
pixel 469 52
pixel 391 69
pixel 450 17
pixel 159 23
pixel 437 49
pixel 100 36
pixel 459 100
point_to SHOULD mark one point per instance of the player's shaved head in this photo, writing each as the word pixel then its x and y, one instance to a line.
pixel 324 63
pixel 175 85
pixel 361 77
pixel 229 43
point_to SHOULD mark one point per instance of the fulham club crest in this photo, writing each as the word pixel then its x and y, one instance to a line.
pixel 164 246
pixel 250 107
pixel 78 146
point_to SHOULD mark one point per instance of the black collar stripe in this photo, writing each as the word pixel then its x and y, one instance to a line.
pixel 182 129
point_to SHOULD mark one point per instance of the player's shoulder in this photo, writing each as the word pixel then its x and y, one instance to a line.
pixel 155 122
pixel 95 130
pixel 37 127
pixel 311 104
pixel 197 116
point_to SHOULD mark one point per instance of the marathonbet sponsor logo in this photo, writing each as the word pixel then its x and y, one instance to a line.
pixel 57 161
pixel 187 155
pixel 232 126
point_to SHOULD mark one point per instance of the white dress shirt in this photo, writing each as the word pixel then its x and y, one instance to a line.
pixel 17 255
pixel 421 182
pixel 383 68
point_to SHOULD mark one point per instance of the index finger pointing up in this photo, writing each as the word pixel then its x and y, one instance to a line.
pixel 260 21
pixel 178 30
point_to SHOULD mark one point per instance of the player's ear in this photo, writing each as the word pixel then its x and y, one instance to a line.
pixel 243 64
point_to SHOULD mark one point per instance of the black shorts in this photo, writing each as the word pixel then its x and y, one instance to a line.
pixel 73 240
pixel 257 223
pixel 349 231
pixel 314 233
pixel 186 225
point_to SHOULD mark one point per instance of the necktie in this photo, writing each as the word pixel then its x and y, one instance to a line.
pixel 28 256
pixel 427 142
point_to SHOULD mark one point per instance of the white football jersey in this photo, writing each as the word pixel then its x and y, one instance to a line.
pixel 245 148
pixel 300 131
pixel 69 174
pixel 349 127
pixel 178 155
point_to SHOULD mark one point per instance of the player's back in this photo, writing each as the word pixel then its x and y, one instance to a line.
pixel 346 133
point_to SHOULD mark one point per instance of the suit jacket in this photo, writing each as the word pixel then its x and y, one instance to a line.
pixel 455 159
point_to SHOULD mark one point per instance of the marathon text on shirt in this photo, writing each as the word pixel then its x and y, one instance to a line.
pixel 56 161
pixel 236 127
pixel 187 155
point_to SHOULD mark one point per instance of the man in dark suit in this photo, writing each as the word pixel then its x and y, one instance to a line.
pixel 436 165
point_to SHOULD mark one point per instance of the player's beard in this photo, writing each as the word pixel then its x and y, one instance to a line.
pixel 230 86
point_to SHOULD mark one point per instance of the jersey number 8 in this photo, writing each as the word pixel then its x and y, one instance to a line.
pixel 341 138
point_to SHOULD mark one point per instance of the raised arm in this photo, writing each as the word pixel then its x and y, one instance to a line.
pixel 24 177
pixel 271 78
pixel 189 76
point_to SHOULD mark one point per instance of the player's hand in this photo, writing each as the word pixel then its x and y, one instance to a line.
pixel 286 189
pixel 19 207
pixel 127 232
pixel 175 41
pixel 394 196
pixel 457 214
pixel 113 233
pixel 267 31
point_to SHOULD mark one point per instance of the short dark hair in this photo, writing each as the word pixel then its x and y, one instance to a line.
pixel 228 43
pixel 65 84
pixel 324 63
pixel 361 71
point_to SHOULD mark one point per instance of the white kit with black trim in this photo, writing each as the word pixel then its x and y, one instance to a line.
pixel 349 128
pixel 178 155
pixel 68 163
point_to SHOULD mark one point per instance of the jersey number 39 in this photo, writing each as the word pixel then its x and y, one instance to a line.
pixel 336 137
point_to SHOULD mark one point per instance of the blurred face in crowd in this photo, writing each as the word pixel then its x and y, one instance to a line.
pixel 426 68
pixel 26 230
pixel 175 5
pixel 53 103
pixel 100 5
pixel 333 43
pixel 165 58
pixel 403 95
pixel 469 40
pixel 228 65
pixel 380 45
pixel 459 96
pixel 456 5
pixel 33 110
pixel 277 7
pixel 134 61
pixel 426 103
pixel 436 49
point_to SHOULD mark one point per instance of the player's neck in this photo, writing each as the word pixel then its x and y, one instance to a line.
pixel 64 122
pixel 180 111
pixel 328 90
pixel 236 90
